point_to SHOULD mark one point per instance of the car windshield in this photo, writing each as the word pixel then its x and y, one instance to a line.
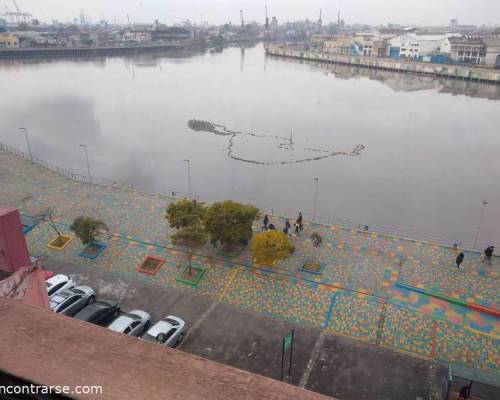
pixel 171 321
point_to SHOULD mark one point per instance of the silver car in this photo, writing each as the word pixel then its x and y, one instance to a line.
pixel 169 331
pixel 70 301
pixel 132 323
pixel 58 283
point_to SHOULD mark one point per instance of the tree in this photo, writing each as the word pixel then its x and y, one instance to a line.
pixel 317 240
pixel 230 223
pixel 87 229
pixel 192 238
pixel 270 247
pixel 184 213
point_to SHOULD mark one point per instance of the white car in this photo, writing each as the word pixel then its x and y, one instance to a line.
pixel 132 323
pixel 58 283
pixel 169 331
pixel 70 301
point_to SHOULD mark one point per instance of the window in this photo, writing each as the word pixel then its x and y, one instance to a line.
pixel 127 331
pixel 169 334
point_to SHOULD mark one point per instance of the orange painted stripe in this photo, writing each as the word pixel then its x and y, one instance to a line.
pixel 434 339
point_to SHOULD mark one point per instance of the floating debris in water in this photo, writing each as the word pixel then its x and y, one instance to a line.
pixel 284 143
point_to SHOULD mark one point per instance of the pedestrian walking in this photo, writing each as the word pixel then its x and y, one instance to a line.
pixel 265 223
pixel 296 228
pixel 299 221
pixel 488 253
pixel 285 230
pixel 460 259
pixel 287 224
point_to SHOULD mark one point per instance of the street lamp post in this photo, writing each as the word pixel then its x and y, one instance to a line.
pixel 188 177
pixel 84 146
pixel 476 239
pixel 27 142
pixel 316 180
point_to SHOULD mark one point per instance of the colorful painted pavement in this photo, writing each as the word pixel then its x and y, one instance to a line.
pixel 348 298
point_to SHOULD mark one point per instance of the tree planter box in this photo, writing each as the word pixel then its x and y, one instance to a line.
pixel 60 242
pixel 151 265
pixel 312 267
pixel 233 252
pixel 192 280
pixel 93 250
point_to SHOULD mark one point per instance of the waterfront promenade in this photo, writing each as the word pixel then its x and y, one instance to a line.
pixel 356 294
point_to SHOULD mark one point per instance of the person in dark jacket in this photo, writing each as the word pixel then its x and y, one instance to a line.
pixel 488 253
pixel 299 221
pixel 460 259
pixel 265 223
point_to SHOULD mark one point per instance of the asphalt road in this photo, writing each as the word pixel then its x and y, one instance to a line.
pixel 332 365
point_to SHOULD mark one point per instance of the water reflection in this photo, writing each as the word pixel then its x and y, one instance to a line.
pixel 413 82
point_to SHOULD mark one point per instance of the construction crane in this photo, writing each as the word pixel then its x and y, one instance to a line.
pixel 16 16
pixel 242 19
pixel 267 21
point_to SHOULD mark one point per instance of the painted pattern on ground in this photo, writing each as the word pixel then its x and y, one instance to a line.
pixel 356 260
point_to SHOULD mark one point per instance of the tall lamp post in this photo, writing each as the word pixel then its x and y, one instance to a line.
pixel 316 180
pixel 476 239
pixel 84 147
pixel 27 142
pixel 188 177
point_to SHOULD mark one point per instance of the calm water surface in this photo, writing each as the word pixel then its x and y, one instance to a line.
pixel 432 147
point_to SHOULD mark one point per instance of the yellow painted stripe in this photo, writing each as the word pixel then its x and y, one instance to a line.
pixel 229 284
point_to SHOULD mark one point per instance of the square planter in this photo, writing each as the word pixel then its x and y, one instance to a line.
pixel 312 267
pixel 233 253
pixel 193 280
pixel 150 265
pixel 92 250
pixel 60 242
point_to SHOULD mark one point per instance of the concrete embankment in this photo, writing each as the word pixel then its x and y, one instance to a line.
pixel 83 51
pixel 440 70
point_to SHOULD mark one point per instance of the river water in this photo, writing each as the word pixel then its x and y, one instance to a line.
pixel 391 151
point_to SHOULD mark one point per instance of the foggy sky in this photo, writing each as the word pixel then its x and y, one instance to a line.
pixel 420 12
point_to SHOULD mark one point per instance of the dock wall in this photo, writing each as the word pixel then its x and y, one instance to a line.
pixel 439 70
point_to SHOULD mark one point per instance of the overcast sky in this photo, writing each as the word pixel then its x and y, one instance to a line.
pixel 422 12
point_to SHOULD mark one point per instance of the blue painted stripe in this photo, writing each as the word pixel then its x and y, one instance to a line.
pixel 330 310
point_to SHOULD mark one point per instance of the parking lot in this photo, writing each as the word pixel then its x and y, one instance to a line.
pixel 332 365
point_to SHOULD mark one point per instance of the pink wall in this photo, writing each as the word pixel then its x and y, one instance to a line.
pixel 13 248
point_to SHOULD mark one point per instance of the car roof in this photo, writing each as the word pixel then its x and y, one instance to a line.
pixel 159 327
pixel 56 279
pixel 121 323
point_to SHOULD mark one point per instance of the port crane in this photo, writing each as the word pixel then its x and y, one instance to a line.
pixel 16 16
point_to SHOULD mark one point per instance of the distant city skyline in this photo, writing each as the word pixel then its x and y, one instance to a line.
pixel 372 12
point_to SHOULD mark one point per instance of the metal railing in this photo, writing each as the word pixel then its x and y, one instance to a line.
pixel 320 220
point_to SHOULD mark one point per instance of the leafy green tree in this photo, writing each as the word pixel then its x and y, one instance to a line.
pixel 184 213
pixel 317 241
pixel 230 223
pixel 270 247
pixel 191 238
pixel 87 229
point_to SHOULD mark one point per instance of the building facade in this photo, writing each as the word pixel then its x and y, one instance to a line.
pixel 465 50
pixel 8 41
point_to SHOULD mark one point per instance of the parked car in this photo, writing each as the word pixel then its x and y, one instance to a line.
pixel 70 301
pixel 132 323
pixel 101 312
pixel 169 331
pixel 57 283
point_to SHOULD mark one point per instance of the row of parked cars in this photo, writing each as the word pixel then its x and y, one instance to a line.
pixel 80 302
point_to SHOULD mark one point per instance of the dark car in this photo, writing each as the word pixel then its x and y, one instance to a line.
pixel 101 312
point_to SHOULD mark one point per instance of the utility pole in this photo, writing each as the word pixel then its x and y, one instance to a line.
pixel 476 239
pixel 27 142
pixel 84 146
pixel 316 180
pixel 189 177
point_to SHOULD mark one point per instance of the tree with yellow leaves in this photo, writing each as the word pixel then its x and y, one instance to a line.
pixel 270 247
